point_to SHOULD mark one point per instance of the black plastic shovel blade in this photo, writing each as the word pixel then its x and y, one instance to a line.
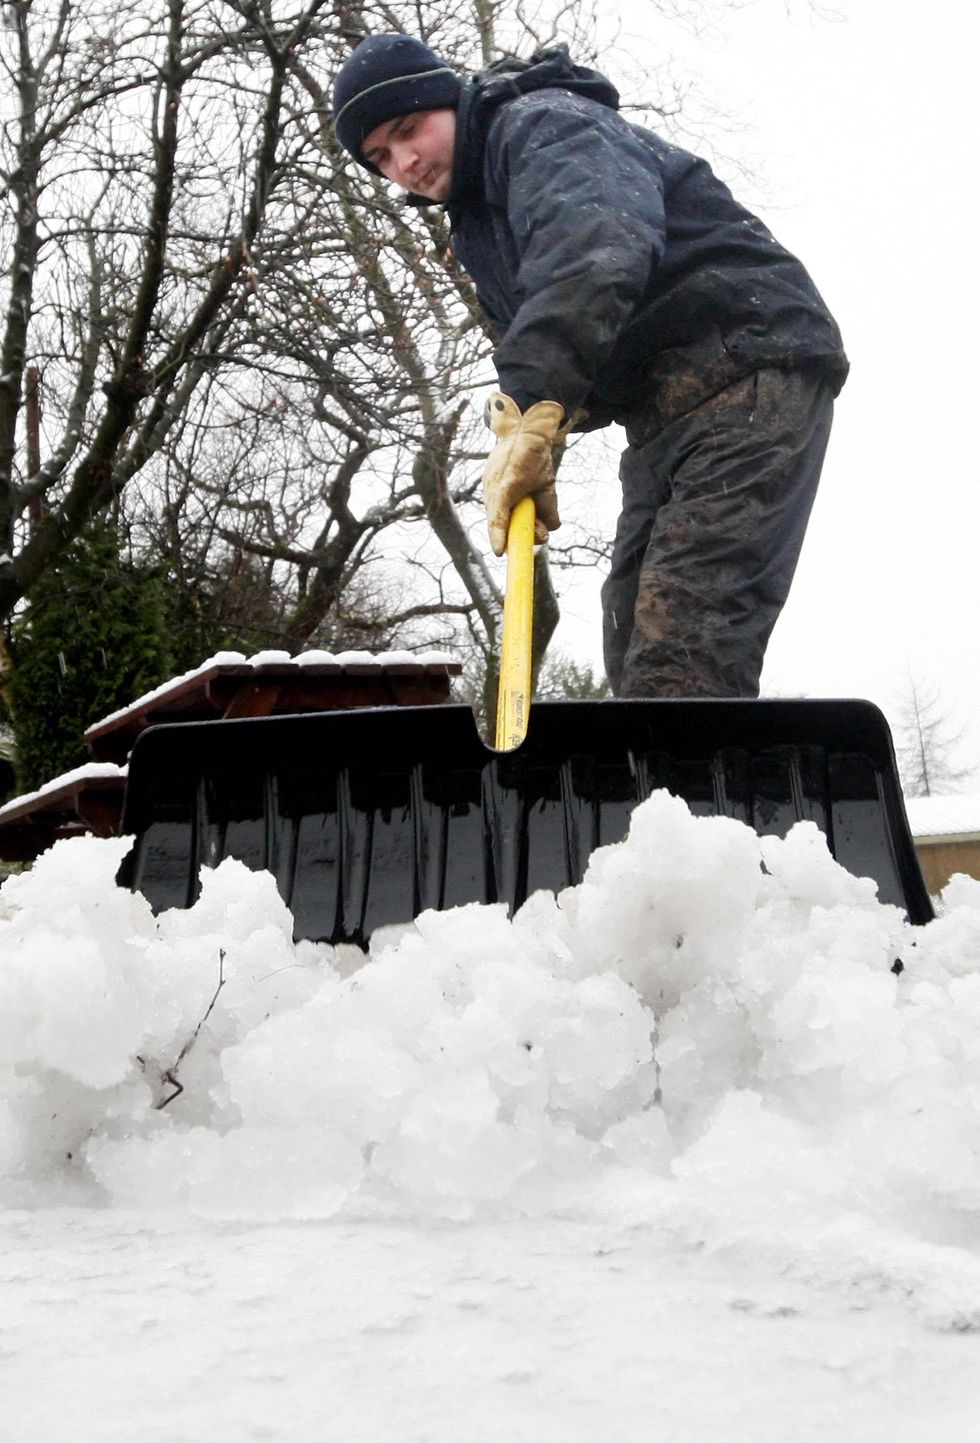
pixel 369 817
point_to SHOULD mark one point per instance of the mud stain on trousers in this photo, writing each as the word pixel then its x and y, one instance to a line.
pixel 715 508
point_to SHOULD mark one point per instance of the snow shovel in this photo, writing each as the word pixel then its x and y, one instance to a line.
pixel 368 817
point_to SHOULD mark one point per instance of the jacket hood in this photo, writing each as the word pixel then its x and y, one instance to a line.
pixel 506 79
pixel 550 69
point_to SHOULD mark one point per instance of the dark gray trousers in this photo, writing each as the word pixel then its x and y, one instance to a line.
pixel 715 507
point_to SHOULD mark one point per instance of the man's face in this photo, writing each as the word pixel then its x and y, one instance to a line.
pixel 415 151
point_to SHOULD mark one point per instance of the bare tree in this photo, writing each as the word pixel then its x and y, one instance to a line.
pixel 140 147
pixel 342 432
pixel 926 741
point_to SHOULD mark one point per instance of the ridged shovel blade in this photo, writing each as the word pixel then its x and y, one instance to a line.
pixel 368 817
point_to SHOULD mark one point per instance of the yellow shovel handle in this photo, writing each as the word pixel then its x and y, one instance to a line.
pixel 514 691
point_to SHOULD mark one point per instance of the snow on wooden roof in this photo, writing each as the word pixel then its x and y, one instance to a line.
pixel 89 772
pixel 946 817
pixel 361 661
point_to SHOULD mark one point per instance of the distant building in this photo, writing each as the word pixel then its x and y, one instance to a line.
pixel 946 831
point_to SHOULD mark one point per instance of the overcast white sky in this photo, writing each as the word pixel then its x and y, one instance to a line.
pixel 859 126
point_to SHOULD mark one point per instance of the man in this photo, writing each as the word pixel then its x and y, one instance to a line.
pixel 623 283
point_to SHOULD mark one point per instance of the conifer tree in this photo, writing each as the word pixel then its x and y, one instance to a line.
pixel 92 640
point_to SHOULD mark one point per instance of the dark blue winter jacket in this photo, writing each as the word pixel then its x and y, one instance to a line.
pixel 616 270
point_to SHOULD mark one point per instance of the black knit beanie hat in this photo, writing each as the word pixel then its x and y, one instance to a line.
pixel 387 76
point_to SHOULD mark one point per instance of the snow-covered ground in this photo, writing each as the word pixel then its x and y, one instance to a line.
pixel 682 1155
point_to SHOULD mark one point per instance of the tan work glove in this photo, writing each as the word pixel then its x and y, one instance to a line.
pixel 521 464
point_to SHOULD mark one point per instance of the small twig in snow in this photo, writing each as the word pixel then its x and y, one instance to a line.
pixel 171 1074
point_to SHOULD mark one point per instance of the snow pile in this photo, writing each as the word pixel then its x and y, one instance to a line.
pixel 712 1028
